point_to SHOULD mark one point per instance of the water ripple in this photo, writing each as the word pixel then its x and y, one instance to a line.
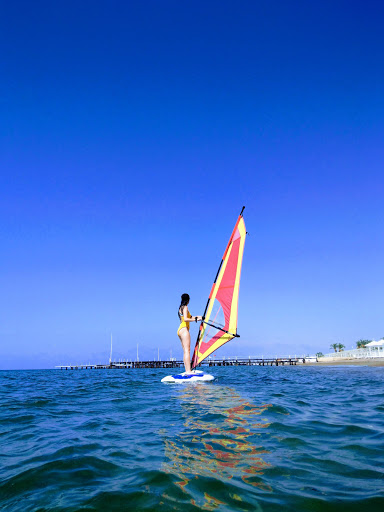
pixel 257 438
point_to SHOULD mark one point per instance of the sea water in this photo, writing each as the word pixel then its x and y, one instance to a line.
pixel 257 438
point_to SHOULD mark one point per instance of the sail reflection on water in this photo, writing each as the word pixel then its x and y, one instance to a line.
pixel 218 441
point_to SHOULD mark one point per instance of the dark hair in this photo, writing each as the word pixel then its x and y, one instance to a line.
pixel 184 302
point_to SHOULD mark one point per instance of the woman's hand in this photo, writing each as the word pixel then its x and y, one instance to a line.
pixel 199 318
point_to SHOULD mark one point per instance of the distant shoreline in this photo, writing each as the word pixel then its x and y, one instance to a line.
pixel 352 362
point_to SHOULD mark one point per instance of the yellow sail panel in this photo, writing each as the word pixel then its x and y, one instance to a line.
pixel 220 324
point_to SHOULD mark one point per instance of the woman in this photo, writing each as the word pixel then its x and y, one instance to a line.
pixel 185 318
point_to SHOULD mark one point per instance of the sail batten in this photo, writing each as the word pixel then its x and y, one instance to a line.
pixel 220 316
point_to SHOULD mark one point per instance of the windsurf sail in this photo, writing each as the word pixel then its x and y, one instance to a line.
pixel 220 316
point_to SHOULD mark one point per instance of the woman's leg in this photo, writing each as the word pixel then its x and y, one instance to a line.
pixel 185 339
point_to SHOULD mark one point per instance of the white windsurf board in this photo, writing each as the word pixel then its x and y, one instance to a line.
pixel 182 378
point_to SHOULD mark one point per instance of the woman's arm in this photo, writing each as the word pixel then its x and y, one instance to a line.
pixel 192 319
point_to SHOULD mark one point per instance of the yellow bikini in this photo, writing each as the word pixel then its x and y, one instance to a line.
pixel 184 324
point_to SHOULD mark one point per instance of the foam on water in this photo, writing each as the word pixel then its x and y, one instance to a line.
pixel 257 438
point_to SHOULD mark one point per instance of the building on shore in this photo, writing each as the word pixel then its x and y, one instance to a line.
pixel 373 350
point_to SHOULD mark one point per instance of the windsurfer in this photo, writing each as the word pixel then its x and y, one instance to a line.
pixel 185 318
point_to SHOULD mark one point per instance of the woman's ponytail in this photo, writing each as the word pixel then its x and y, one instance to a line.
pixel 184 302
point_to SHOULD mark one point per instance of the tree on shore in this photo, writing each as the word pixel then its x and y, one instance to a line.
pixel 319 354
pixel 362 343
pixel 341 347
pixel 335 346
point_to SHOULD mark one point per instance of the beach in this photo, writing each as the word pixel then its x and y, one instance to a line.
pixel 353 362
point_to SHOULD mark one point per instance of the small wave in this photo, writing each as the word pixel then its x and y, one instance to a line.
pixel 362 451
pixel 278 409
pixel 16 420
pixel 59 474
pixel 294 442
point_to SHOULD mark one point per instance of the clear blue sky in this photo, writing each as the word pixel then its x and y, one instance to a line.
pixel 132 133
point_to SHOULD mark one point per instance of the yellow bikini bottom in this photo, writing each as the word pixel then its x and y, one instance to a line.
pixel 183 324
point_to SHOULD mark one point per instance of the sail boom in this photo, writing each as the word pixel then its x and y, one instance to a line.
pixel 221 329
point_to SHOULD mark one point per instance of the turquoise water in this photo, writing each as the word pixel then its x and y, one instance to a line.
pixel 257 438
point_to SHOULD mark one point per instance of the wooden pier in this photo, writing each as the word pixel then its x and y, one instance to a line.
pixel 123 365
